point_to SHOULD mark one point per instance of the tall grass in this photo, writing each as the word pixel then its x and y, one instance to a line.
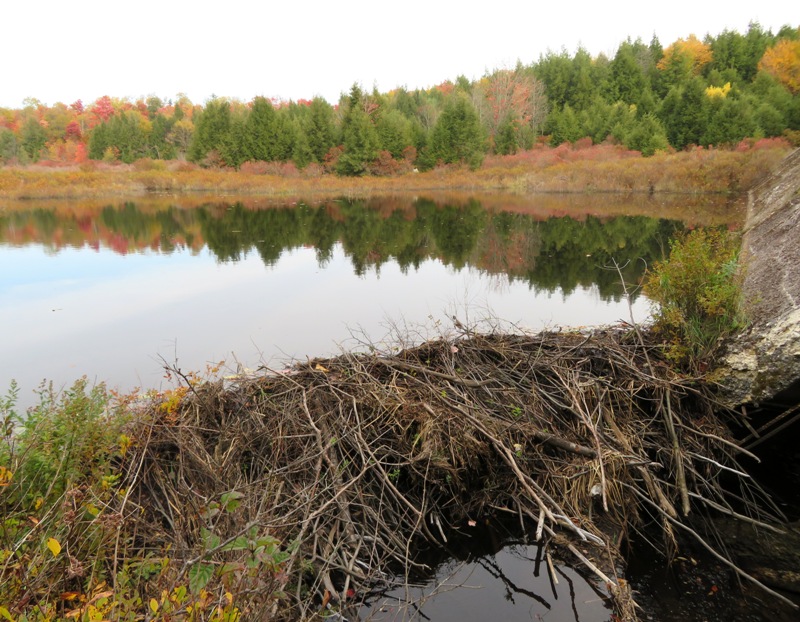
pixel 578 168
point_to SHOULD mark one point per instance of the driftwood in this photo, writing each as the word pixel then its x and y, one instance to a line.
pixel 363 460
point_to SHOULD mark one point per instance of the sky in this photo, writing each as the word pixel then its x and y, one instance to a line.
pixel 63 51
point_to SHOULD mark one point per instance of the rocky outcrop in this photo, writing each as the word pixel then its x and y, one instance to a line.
pixel 765 360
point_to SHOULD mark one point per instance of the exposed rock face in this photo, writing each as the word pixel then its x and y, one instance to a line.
pixel 765 360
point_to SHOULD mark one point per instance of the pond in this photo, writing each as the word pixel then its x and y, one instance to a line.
pixel 118 290
pixel 115 291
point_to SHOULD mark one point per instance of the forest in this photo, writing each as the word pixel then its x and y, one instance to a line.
pixel 718 91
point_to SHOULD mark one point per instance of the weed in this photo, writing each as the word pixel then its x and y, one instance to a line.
pixel 697 294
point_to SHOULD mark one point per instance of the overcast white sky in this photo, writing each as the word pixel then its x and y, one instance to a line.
pixel 63 51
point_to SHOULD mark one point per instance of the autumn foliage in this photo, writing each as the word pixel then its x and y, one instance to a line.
pixel 782 61
pixel 712 92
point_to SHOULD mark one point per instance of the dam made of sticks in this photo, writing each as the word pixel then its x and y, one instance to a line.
pixel 341 471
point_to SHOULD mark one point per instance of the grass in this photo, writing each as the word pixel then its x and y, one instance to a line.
pixel 598 168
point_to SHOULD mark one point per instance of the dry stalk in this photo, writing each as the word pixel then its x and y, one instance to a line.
pixel 364 460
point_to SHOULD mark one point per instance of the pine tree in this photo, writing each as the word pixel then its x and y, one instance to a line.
pixel 457 135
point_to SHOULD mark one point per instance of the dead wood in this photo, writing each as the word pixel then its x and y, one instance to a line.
pixel 356 463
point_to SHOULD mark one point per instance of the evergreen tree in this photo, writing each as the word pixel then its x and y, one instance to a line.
pixel 359 136
pixel 320 130
pixel 506 141
pixel 98 142
pixel 683 114
pixel 302 155
pixel 594 121
pixel 33 139
pixel 555 70
pixel 628 81
pixel 212 130
pixel 582 83
pixel 261 132
pixel 647 136
pixel 729 121
pixel 159 146
pixel 8 146
pixel 394 132
pixel 457 135
pixel 564 126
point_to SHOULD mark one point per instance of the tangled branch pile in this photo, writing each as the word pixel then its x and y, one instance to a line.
pixel 341 469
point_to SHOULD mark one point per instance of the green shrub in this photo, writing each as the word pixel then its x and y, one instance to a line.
pixel 58 479
pixel 696 292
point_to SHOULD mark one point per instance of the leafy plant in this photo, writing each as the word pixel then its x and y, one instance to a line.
pixel 696 291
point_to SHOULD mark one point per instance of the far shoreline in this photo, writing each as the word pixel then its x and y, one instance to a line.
pixel 593 170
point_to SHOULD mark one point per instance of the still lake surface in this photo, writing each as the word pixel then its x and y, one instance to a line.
pixel 116 290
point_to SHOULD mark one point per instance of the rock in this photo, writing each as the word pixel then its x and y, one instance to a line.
pixel 765 359
pixel 773 559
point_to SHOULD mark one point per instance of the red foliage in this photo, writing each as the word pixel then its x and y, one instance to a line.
pixel 445 88
pixel 542 156
pixel 81 153
pixel 583 143
pixel 749 144
pixel 73 130
pixel 103 108
pixel 332 158
pixel 384 165
pixel 313 171
pixel 77 106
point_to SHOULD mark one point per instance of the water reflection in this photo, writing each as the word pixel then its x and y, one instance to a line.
pixel 552 253
pixel 508 582
pixel 112 291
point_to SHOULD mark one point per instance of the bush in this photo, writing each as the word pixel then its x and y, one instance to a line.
pixel 697 295
pixel 58 479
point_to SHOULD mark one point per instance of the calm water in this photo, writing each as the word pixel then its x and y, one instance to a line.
pixel 115 291
pixel 493 581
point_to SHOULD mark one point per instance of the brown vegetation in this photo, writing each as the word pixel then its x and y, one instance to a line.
pixel 578 168
pixel 350 466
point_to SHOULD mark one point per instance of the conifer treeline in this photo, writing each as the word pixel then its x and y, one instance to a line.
pixel 717 91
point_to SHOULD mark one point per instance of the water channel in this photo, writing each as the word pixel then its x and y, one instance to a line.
pixel 115 290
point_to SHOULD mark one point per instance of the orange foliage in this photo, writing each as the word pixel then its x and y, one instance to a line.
pixel 698 53
pixel 445 88
pixel 782 62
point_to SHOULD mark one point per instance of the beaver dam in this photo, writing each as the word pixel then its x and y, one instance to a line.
pixel 306 490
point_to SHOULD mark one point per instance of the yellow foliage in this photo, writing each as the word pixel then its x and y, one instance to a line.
pixel 718 91
pixel 782 62
pixel 698 53
pixel 54 546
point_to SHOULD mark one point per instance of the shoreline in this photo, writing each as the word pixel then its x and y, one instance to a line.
pixel 581 171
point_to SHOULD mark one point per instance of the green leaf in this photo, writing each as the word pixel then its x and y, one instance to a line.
pixel 5 613
pixel 230 500
pixel 239 544
pixel 199 576
pixel 210 539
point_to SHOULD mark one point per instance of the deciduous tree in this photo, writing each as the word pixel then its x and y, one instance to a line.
pixel 782 61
